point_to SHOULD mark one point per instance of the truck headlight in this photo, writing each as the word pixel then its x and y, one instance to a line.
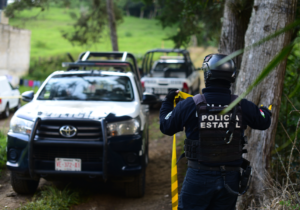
pixel 128 127
pixel 18 125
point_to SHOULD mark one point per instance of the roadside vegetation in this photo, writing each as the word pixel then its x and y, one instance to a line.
pixel 52 198
pixel 2 151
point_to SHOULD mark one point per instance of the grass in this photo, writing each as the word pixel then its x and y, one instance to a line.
pixel 155 132
pixel 134 35
pixel 52 198
pixel 23 88
pixel 2 150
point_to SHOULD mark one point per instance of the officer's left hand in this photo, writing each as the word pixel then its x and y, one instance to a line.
pixel 171 95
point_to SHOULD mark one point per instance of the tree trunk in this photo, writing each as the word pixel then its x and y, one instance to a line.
pixel 127 11
pixel 235 22
pixel 194 41
pixel 142 14
pixel 267 17
pixel 112 25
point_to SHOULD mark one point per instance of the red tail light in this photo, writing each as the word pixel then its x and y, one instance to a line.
pixel 0 101
pixel 143 85
pixel 185 88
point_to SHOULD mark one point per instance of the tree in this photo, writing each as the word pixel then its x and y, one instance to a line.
pixel 267 17
pixel 193 17
pixel 112 25
pixel 235 23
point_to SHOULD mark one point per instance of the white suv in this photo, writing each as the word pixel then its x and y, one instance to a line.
pixel 9 97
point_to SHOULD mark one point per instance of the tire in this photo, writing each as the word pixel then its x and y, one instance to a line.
pixel 136 189
pixel 22 186
pixel 18 106
pixel 5 113
pixel 147 156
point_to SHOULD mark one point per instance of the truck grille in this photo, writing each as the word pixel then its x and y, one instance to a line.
pixel 86 154
pixel 86 130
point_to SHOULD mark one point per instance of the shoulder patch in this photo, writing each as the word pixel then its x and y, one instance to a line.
pixel 168 116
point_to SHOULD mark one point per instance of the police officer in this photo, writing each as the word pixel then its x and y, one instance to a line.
pixel 214 143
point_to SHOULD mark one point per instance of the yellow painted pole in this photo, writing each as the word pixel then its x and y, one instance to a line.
pixel 174 180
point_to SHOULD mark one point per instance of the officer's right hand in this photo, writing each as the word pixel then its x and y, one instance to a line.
pixel 171 95
pixel 266 110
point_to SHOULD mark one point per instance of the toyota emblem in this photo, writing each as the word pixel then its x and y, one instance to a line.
pixel 68 131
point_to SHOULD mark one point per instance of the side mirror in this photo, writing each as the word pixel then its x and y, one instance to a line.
pixel 27 96
pixel 149 98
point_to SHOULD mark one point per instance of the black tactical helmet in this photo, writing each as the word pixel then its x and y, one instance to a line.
pixel 225 71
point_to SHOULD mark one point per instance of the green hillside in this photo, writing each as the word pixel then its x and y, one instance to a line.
pixel 135 35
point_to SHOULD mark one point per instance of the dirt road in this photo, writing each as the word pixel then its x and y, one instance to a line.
pixel 158 183
pixel 97 196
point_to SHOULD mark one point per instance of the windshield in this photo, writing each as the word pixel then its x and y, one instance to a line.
pixel 88 88
pixel 171 66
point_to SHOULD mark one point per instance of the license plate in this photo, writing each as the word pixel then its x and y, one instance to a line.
pixel 67 164
pixel 161 97
pixel 161 90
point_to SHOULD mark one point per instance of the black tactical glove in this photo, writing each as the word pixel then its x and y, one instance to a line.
pixel 265 109
pixel 171 95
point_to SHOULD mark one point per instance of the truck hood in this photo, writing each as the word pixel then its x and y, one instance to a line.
pixel 78 109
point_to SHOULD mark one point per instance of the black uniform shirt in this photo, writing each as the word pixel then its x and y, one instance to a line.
pixel 184 115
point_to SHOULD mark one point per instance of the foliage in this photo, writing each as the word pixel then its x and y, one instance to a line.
pixel 41 68
pixel 53 198
pixel 290 204
pixel 288 118
pixel 135 7
pixel 191 17
pixel 91 23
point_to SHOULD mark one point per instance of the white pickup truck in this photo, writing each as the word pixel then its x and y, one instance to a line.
pixel 9 97
pixel 169 72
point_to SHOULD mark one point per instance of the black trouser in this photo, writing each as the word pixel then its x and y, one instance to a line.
pixel 204 190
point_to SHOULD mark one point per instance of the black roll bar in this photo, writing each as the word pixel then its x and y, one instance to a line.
pixel 148 57
pixel 104 160
pixel 30 148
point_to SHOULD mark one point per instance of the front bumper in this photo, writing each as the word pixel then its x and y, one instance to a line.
pixel 106 158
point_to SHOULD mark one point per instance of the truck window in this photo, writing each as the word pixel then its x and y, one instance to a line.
pixel 88 88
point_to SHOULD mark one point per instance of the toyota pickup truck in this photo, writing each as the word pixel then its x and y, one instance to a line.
pixel 87 122
pixel 165 69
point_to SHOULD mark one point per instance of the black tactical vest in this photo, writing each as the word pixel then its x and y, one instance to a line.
pixel 211 146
